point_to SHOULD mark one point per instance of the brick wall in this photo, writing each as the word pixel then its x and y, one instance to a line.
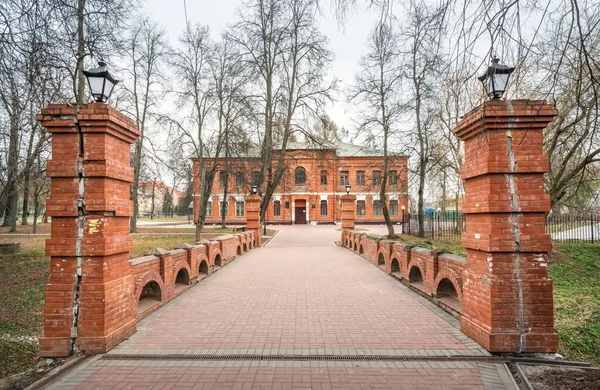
pixel 163 266
pixel 433 266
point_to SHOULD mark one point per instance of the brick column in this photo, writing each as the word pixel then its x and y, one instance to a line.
pixel 507 296
pixel 253 216
pixel 89 300
pixel 347 213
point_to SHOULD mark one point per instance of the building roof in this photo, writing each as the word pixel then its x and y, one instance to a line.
pixel 342 149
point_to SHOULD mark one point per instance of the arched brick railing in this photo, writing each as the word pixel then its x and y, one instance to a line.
pixel 145 278
pixel 453 278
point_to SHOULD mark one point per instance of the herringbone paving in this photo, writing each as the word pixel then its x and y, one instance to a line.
pixel 299 295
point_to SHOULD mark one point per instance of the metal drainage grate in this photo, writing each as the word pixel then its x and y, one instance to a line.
pixel 175 357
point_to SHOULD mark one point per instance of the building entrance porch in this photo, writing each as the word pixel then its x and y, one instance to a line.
pixel 300 212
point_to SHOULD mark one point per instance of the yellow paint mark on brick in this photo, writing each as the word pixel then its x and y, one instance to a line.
pixel 94 226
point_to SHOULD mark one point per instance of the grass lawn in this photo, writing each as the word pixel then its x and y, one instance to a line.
pixel 24 276
pixel 575 271
pixel 428 243
pixel 21 303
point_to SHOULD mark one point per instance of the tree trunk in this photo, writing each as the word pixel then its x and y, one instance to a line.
pixel 36 210
pixel 444 190
pixel 420 202
pixel 136 182
pixel 26 174
pixel 224 206
pixel 203 204
pixel 25 207
pixel 80 78
pixel 12 194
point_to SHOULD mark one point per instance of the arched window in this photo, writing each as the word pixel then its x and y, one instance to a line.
pixel 300 176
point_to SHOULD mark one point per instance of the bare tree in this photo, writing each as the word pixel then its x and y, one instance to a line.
pixel 377 90
pixel 232 105
pixel 281 42
pixel 193 66
pixel 29 82
pixel 88 28
pixel 145 51
pixel 421 35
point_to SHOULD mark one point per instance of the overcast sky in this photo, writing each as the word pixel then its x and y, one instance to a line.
pixel 347 42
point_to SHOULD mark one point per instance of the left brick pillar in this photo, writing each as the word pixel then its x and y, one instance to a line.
pixel 253 216
pixel 90 298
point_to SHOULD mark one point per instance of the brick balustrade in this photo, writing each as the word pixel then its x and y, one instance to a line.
pixel 92 301
pixel 507 304
pixel 504 293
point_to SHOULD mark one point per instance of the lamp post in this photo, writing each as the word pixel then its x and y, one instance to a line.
pixel 348 189
pixel 254 190
pixel 496 78
pixel 100 81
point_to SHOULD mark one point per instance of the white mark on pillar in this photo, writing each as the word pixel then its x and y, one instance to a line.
pixel 514 219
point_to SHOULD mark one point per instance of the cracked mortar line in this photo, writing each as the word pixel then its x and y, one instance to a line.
pixel 512 165
pixel 80 233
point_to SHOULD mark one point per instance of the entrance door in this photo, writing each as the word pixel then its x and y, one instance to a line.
pixel 300 215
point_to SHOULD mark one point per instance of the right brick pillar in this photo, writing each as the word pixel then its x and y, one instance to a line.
pixel 507 296
pixel 253 217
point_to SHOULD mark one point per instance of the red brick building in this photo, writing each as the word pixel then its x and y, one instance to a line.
pixel 310 190
pixel 151 195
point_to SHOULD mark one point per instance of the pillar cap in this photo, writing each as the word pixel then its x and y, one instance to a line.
pixel 499 114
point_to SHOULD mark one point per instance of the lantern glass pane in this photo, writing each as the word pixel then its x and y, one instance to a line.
pixel 96 84
pixel 500 83
pixel 488 83
pixel 108 87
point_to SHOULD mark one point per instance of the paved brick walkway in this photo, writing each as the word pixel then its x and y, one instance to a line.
pixel 299 295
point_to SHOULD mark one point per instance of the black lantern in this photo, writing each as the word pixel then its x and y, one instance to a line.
pixel 496 78
pixel 347 189
pixel 254 190
pixel 101 82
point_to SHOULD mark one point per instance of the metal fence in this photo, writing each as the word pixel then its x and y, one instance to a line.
pixel 573 228
pixel 437 226
pixel 450 226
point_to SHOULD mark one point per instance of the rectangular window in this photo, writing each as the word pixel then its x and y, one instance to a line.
pixel 287 205
pixel 208 209
pixel 360 178
pixel 222 179
pixel 344 178
pixel 221 211
pixel 323 178
pixel 239 179
pixel 360 208
pixel 377 211
pixel 255 178
pixel 323 208
pixel 377 178
pixel 239 209
pixel 393 178
pixel 276 208
pixel 393 207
